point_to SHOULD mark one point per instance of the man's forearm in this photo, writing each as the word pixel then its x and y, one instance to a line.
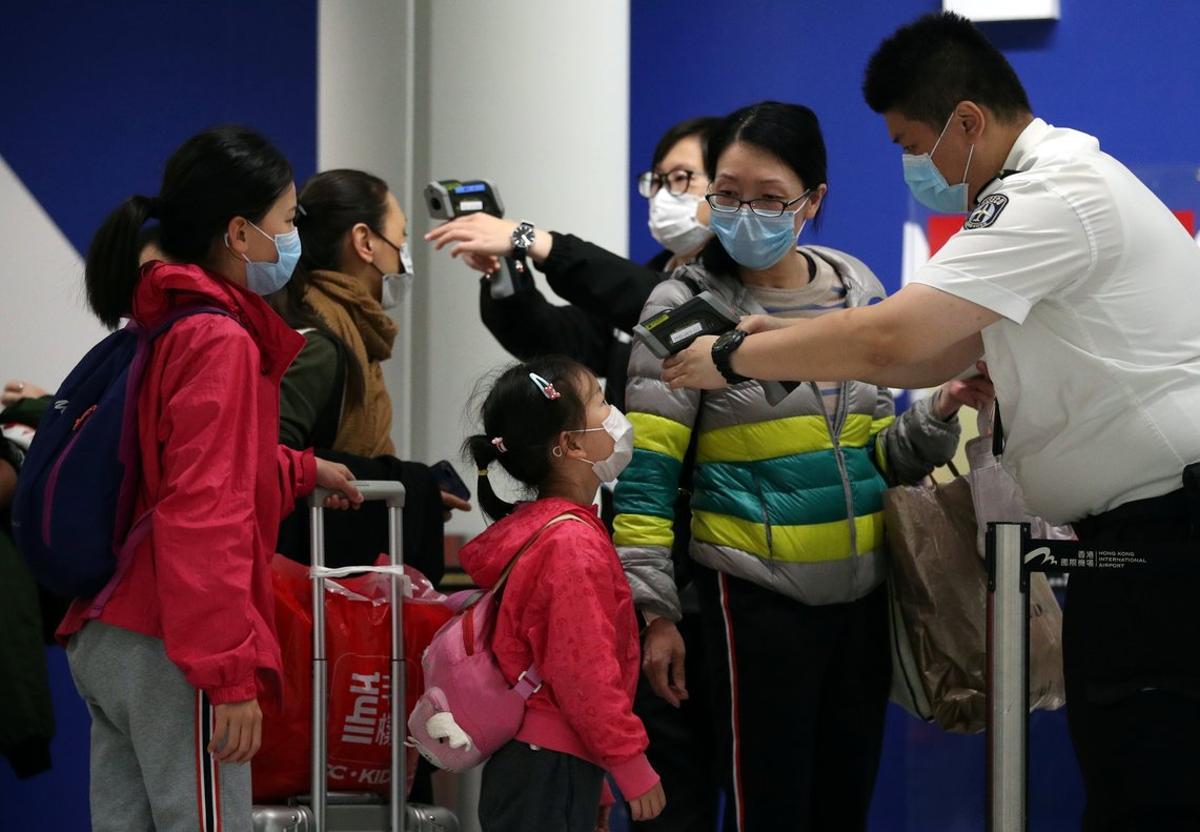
pixel 854 345
pixel 834 347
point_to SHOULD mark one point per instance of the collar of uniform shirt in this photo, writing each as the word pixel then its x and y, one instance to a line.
pixel 997 178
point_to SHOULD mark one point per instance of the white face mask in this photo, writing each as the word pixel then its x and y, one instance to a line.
pixel 617 426
pixel 673 222
pixel 396 285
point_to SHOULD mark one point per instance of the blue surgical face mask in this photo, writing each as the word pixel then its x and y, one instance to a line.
pixel 927 184
pixel 756 242
pixel 264 277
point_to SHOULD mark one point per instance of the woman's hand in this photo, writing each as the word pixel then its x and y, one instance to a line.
pixel 15 390
pixel 663 654
pixel 238 732
pixel 474 234
pixel 649 805
pixel 693 367
pixel 451 502
pixel 481 239
pixel 602 818
pixel 977 392
pixel 337 477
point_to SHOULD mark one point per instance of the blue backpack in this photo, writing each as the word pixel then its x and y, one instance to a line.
pixel 73 510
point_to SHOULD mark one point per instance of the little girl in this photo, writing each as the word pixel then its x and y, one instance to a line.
pixel 566 608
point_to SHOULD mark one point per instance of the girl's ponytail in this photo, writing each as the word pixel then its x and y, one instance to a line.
pixel 112 269
pixel 484 451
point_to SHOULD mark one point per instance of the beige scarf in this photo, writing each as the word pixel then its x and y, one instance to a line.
pixel 356 317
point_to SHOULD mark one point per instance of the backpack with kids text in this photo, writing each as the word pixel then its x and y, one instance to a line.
pixel 72 514
pixel 469 710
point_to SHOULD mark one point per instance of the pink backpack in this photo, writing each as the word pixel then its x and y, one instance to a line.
pixel 468 709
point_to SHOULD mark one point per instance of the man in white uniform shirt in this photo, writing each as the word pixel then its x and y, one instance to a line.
pixel 1079 288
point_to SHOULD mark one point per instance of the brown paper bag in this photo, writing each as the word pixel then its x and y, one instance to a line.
pixel 939 611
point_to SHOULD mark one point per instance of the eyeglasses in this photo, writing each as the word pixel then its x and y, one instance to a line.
pixel 726 204
pixel 676 182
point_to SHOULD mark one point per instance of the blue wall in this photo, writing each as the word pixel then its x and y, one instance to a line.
pixel 1124 72
pixel 94 97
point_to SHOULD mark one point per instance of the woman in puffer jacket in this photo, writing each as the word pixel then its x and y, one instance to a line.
pixel 787 521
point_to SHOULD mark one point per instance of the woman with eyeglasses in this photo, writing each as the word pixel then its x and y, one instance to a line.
pixel 787 523
pixel 606 293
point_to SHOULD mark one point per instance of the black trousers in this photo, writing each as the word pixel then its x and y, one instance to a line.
pixel 683 743
pixel 1131 658
pixel 800 696
pixel 549 791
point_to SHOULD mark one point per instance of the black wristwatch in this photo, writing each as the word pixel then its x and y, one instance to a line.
pixel 722 354
pixel 522 239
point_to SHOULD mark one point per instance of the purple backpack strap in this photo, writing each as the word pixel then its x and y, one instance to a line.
pixel 181 312
pixel 528 683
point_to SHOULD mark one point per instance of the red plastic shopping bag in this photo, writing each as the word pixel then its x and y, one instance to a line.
pixel 358 648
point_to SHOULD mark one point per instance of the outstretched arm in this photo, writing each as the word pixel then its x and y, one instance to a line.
pixel 919 337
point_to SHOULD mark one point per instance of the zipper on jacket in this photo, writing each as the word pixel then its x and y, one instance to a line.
pixel 766 515
pixel 835 435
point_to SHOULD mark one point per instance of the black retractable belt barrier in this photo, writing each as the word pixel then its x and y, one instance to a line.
pixel 1012 554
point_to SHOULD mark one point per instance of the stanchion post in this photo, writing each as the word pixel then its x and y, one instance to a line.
pixel 320 703
pixel 1007 681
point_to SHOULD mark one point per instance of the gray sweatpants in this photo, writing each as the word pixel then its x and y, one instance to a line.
pixel 150 766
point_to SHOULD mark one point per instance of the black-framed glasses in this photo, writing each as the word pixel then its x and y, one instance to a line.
pixel 726 204
pixel 676 182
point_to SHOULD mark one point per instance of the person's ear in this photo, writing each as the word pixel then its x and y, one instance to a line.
pixel 972 118
pixel 361 243
pixel 568 442
pixel 814 201
pixel 236 237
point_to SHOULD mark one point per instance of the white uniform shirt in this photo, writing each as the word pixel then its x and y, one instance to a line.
pixel 1096 361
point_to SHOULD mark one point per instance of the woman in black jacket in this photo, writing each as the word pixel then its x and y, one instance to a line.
pixel 354 267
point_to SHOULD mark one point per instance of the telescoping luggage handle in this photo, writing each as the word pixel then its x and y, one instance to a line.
pixel 1012 555
pixel 393 494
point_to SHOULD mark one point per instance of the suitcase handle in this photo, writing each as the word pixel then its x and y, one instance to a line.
pixel 393 494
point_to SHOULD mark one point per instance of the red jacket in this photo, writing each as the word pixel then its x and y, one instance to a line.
pixel 567 608
pixel 215 482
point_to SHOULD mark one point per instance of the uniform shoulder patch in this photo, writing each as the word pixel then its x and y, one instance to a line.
pixel 987 211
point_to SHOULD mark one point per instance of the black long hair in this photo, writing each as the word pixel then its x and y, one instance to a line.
pixel 789 132
pixel 527 425
pixel 216 175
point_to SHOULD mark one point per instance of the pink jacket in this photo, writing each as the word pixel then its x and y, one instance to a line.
pixel 216 483
pixel 568 609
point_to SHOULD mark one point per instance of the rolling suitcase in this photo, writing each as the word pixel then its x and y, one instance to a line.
pixel 322 811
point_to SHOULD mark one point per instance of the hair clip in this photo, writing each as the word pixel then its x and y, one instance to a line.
pixel 544 387
pixel 498 443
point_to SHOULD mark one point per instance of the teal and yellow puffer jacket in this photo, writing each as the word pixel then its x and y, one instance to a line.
pixel 782 495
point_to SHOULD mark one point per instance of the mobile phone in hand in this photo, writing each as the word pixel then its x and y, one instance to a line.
pixel 448 480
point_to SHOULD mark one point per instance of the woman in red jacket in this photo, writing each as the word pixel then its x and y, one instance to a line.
pixel 566 607
pixel 173 665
